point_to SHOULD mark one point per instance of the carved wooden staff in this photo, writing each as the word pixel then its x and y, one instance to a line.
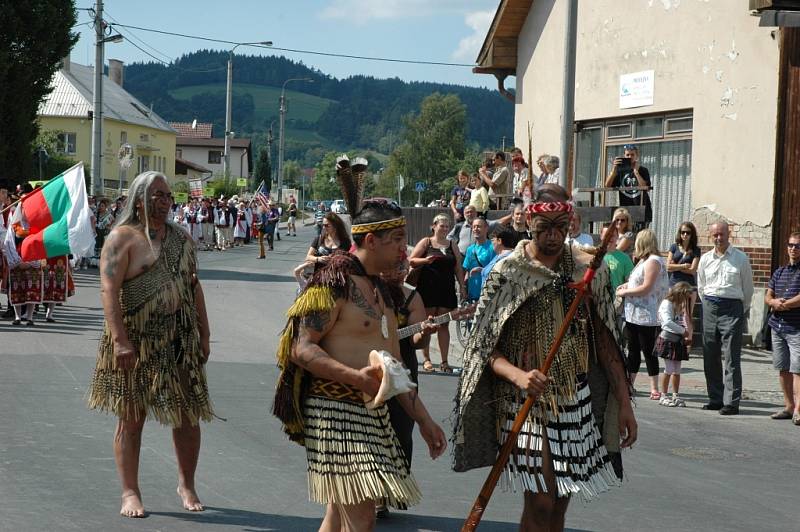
pixel 582 288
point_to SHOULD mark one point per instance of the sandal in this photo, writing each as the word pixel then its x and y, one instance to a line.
pixel 427 365
pixel 444 367
pixel 655 396
pixel 782 414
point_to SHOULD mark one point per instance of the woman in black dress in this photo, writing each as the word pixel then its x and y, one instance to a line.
pixel 332 237
pixel 440 263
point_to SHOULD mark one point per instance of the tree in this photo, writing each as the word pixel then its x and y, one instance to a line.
pixel 433 147
pixel 264 167
pixel 291 174
pixel 35 37
pixel 53 161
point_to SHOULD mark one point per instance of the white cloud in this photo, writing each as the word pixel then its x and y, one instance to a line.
pixel 468 47
pixel 362 11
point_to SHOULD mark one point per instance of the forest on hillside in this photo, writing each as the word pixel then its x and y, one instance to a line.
pixel 358 112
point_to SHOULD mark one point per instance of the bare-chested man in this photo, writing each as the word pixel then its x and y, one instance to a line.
pixel 155 340
pixel 354 456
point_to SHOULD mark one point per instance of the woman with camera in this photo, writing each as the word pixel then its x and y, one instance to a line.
pixel 438 262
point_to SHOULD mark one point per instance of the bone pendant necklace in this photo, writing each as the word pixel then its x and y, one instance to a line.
pixel 384 321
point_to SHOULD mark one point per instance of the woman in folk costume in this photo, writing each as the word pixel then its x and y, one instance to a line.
pixel 342 318
pixel 242 223
pixel 57 283
pixel 190 215
pixel 24 278
pixel 562 447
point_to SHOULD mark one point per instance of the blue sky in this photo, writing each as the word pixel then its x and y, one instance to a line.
pixel 431 30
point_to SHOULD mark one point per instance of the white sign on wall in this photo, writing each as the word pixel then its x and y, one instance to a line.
pixel 636 89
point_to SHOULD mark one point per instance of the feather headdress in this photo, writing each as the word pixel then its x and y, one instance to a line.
pixel 351 178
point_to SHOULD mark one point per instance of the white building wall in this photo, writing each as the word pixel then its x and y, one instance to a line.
pixel 708 55
pixel 199 155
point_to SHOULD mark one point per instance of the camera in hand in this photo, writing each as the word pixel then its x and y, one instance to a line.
pixel 626 166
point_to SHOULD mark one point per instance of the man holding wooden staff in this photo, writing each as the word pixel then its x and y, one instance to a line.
pixel 570 441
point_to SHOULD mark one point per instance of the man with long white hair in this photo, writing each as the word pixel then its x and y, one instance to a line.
pixel 155 342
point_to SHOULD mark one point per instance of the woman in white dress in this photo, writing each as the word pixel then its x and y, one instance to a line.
pixel 240 225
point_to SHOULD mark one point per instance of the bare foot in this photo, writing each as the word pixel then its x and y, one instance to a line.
pixel 132 505
pixel 190 500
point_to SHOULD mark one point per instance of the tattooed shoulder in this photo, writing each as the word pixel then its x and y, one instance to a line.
pixel 357 297
pixel 316 321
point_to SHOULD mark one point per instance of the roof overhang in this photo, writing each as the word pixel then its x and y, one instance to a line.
pixel 777 13
pixel 498 54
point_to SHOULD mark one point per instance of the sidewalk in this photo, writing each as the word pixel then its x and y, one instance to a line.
pixel 759 379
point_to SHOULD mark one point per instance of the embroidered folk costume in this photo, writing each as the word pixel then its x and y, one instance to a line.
pixel 519 313
pixel 160 318
pixel 353 452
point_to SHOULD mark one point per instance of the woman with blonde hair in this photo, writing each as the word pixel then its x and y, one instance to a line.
pixel 646 287
pixel 439 263
pixel 623 223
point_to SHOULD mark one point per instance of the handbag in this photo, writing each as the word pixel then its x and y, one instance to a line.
pixel 413 275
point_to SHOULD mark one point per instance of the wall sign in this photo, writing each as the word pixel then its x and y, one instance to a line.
pixel 636 89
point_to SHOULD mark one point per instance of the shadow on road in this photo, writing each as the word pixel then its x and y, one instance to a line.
pixel 262 522
pixel 229 275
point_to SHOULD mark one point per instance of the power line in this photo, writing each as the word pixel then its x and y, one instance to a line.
pixel 131 36
pixel 298 51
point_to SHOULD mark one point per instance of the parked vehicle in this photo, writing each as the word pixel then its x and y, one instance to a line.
pixel 338 207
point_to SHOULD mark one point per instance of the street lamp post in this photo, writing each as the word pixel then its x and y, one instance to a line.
pixel 226 160
pixel 100 27
pixel 282 140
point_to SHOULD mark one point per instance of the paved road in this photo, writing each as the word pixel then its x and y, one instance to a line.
pixel 691 470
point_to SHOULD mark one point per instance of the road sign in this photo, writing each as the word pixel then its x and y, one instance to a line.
pixel 419 186
pixel 401 182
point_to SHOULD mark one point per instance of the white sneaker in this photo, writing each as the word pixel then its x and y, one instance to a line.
pixel 665 400
pixel 677 401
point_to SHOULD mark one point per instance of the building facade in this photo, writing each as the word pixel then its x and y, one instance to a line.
pixel 126 122
pixel 693 85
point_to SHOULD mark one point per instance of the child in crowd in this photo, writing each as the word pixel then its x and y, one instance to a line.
pixel 671 344
pixel 303 274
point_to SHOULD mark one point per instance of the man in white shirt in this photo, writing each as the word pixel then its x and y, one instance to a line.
pixel 575 235
pixel 725 286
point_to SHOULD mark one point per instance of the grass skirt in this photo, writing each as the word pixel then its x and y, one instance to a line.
pixel 353 454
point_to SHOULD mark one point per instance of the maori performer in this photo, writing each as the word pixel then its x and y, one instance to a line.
pixel 155 342
pixel 563 446
pixel 346 311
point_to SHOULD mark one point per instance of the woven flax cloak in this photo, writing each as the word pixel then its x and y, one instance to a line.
pixel 169 378
pixel 511 283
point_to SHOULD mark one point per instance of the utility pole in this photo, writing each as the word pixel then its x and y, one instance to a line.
pixel 282 125
pixel 568 113
pixel 269 153
pixel 226 158
pixel 97 105
pixel 504 143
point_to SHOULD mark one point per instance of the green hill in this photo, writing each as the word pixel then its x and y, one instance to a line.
pixel 358 112
pixel 299 106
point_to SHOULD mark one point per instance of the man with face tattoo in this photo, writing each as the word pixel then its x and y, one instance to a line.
pixel 565 442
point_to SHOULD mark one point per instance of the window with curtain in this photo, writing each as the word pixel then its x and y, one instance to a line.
pixel 667 154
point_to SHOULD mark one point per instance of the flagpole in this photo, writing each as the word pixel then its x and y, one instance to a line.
pixel 26 196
